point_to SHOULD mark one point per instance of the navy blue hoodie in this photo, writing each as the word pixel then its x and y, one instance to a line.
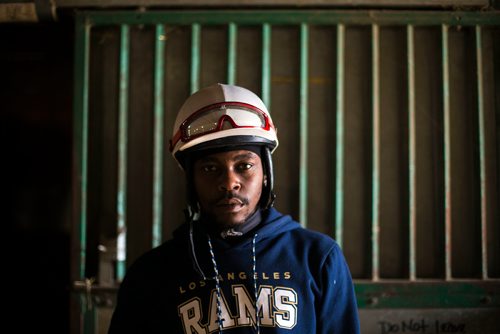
pixel 302 280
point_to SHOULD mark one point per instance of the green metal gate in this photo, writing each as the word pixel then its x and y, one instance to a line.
pixel 389 131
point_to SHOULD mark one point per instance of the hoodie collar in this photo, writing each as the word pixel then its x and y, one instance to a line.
pixel 272 223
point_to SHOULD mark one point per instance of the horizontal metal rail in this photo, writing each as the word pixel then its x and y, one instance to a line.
pixel 432 294
pixel 273 3
pixel 327 17
pixel 379 295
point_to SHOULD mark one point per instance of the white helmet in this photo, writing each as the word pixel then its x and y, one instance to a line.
pixel 221 115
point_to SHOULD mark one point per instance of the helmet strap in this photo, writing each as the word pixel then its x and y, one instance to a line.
pixel 193 207
pixel 268 196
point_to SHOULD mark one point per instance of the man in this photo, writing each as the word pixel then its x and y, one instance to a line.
pixel 237 265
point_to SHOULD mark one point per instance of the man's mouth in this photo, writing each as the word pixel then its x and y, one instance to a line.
pixel 232 199
pixel 230 205
pixel 230 202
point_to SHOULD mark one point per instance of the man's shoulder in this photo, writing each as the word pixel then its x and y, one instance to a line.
pixel 322 242
pixel 289 225
pixel 160 254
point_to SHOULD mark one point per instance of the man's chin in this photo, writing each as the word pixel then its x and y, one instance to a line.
pixel 227 223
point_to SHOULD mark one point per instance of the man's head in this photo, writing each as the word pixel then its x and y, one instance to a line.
pixel 223 138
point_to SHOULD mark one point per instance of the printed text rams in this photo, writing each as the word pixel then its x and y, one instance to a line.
pixel 277 307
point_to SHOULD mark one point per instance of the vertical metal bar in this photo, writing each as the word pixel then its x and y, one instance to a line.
pixel 266 65
pixel 412 207
pixel 122 152
pixel 231 56
pixel 447 149
pixel 304 48
pixel 81 137
pixel 195 57
pixel 89 317
pixel 375 152
pixel 339 170
pixel 482 152
pixel 158 135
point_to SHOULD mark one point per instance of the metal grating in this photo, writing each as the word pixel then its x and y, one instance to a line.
pixel 394 122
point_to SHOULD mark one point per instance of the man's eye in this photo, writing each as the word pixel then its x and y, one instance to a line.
pixel 245 166
pixel 209 168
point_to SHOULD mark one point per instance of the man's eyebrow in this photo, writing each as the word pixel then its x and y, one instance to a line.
pixel 207 159
pixel 249 155
pixel 242 156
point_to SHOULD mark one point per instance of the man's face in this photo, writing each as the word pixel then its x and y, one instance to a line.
pixel 228 185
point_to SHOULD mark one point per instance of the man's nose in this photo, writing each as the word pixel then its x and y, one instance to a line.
pixel 229 181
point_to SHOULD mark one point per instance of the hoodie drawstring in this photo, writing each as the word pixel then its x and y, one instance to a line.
pixel 193 252
pixel 254 260
pixel 217 285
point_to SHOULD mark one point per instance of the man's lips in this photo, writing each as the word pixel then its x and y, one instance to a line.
pixel 230 202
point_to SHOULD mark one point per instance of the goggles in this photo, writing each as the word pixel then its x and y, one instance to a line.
pixel 217 117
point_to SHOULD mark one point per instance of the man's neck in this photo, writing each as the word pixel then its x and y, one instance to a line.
pixel 236 231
